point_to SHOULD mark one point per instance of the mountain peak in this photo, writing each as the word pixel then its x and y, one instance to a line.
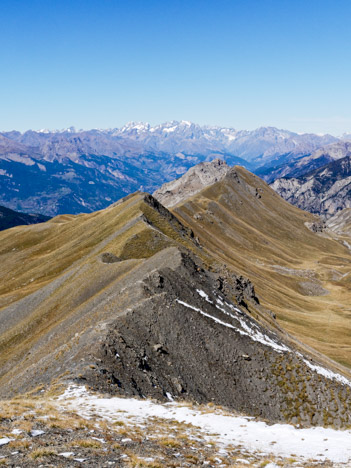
pixel 193 181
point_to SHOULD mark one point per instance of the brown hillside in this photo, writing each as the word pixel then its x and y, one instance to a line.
pixel 300 275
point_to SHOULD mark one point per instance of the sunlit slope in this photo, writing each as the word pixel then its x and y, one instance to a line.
pixel 300 275
pixel 70 274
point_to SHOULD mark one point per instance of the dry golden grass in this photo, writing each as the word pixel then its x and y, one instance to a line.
pixel 41 453
pixel 169 442
pixel 136 461
pixel 87 443
pixel 266 240
pixel 19 444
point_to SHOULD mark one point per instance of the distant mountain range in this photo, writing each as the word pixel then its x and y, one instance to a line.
pixel 69 171
pixel 298 166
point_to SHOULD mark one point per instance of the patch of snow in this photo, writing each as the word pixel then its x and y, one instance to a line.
pixel 73 392
pixel 204 295
pixel 169 130
pixel 255 335
pixel 327 373
pixel 99 440
pixel 16 431
pixel 5 440
pixel 169 396
pixel 36 432
pixel 282 440
pixel 66 454
pixel 220 302
pixel 215 319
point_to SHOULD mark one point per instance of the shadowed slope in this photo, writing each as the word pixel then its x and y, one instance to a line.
pixel 10 218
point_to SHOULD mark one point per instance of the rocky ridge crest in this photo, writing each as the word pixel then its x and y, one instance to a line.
pixel 192 182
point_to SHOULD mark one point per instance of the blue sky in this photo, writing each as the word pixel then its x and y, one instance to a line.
pixel 244 64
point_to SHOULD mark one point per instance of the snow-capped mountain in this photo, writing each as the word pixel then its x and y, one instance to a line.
pixel 67 164
pixel 259 146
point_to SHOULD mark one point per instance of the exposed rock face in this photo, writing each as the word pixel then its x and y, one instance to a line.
pixel 192 182
pixel 186 340
pixel 238 286
pixel 341 222
pixel 317 226
pixel 324 191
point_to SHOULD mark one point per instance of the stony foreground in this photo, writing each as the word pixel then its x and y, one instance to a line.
pixel 83 429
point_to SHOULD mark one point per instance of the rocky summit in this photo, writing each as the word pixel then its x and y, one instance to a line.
pixel 222 300
pixel 192 182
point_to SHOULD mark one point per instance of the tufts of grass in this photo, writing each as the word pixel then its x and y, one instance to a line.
pixel 170 443
pixel 88 443
pixel 42 453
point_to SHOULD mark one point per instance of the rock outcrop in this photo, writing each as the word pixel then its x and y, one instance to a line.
pixel 324 191
pixel 192 182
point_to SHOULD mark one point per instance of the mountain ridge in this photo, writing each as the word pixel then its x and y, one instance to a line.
pixel 76 318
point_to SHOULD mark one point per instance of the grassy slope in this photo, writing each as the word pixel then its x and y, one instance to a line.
pixel 54 286
pixel 252 230
pixel 244 225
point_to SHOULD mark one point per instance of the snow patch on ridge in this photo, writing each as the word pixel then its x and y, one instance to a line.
pixel 321 444
pixel 327 373
pixel 255 334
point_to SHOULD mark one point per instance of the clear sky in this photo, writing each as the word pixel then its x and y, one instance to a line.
pixel 238 63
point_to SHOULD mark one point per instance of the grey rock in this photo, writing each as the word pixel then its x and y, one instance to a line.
pixel 325 191
pixel 197 178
